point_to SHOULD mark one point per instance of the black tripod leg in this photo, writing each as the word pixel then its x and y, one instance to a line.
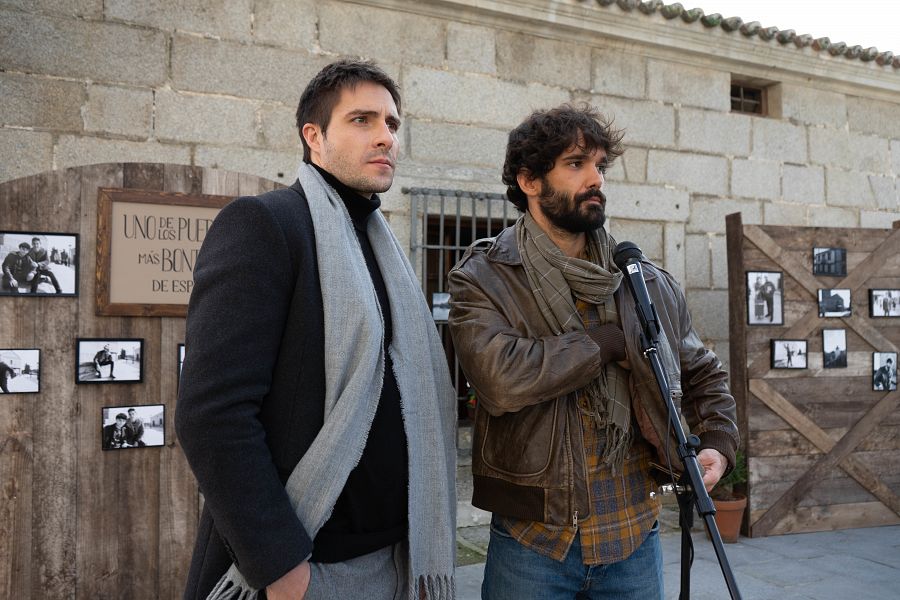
pixel 686 520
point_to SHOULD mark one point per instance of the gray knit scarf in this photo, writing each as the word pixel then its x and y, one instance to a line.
pixel 554 279
pixel 354 369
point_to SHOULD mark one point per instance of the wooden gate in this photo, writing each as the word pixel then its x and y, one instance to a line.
pixel 76 522
pixel 823 446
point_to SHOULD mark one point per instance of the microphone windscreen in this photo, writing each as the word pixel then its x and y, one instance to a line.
pixel 624 252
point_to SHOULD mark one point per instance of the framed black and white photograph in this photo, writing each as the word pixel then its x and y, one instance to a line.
pixel 884 303
pixel 39 264
pixel 109 360
pixel 765 294
pixel 834 303
pixel 884 371
pixel 133 426
pixel 440 306
pixel 20 370
pixel 830 261
pixel 789 354
pixel 834 348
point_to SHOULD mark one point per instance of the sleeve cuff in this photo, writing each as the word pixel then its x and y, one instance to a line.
pixel 721 441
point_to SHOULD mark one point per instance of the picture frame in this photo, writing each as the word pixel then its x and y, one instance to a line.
pixel 132 426
pixel 765 293
pixel 884 371
pixel 831 262
pixel 789 354
pixel 884 303
pixel 20 371
pixel 834 302
pixel 109 360
pixel 834 348
pixel 39 263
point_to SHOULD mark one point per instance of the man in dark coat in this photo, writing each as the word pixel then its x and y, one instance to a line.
pixel 253 386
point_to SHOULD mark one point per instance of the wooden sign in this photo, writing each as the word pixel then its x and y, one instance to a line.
pixel 147 246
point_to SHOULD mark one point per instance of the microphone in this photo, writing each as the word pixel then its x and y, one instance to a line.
pixel 627 257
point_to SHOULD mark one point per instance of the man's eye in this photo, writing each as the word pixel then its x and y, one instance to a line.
pixel 359 120
pixel 575 164
pixel 602 168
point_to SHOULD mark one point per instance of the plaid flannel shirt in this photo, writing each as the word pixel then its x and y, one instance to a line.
pixel 622 512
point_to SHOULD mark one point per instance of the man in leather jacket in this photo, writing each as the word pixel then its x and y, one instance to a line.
pixel 568 416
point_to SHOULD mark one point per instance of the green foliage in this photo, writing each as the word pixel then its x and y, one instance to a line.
pixel 737 477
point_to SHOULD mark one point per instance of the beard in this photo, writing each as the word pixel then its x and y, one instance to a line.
pixel 571 213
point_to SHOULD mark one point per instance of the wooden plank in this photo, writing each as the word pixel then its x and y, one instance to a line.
pixel 762 418
pixel 837 490
pixel 787 442
pixel 55 445
pixel 790 467
pixel 737 317
pixel 17 325
pixel 178 515
pixel 835 455
pixel 220 183
pixel 143 176
pixel 16 451
pixel 183 178
pixel 139 469
pixel 830 518
pixel 97 472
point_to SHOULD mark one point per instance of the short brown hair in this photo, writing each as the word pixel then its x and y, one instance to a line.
pixel 323 92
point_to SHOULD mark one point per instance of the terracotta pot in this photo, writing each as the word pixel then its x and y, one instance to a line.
pixel 729 514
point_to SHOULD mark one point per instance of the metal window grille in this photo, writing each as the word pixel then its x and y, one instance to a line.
pixel 443 223
pixel 747 99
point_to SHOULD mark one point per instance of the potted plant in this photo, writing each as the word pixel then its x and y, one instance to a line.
pixel 730 499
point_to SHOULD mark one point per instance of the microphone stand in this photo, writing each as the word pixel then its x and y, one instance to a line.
pixel 690 488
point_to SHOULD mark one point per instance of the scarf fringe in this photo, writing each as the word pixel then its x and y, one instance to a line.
pixel 433 587
pixel 227 589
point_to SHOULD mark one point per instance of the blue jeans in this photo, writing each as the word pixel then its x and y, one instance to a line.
pixel 514 572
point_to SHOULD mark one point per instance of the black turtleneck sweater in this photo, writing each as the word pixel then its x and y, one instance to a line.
pixel 371 512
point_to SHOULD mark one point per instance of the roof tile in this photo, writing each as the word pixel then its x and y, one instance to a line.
pixel 754 28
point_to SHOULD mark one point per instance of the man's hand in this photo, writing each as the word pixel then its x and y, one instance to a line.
pixel 13 283
pixel 292 585
pixel 611 340
pixel 714 465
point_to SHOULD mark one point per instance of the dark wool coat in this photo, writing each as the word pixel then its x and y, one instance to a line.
pixel 252 393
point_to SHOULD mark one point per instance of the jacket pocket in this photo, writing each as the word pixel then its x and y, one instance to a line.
pixel 520 444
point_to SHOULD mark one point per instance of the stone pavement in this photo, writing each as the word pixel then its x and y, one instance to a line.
pixel 859 564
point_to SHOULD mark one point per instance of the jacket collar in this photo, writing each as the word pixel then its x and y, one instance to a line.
pixel 505 248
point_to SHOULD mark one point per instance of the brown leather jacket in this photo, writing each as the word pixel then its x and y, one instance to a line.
pixel 528 456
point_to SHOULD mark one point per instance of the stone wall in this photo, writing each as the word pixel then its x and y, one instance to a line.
pixel 210 83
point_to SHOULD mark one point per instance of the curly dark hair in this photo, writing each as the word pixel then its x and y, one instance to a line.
pixel 323 92
pixel 536 144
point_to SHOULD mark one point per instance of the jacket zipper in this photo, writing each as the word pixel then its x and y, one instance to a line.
pixel 575 520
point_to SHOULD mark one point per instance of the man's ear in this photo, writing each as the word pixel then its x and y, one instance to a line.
pixel 531 186
pixel 313 135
